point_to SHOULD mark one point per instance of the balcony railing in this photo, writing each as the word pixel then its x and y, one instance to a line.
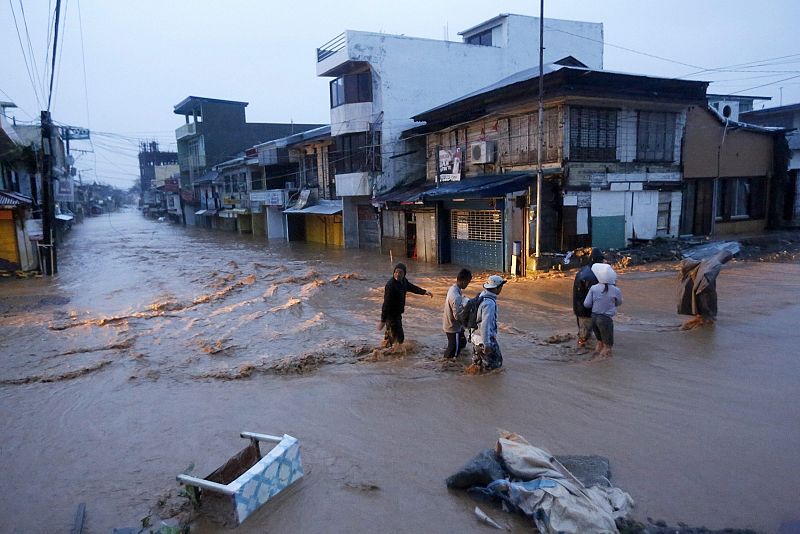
pixel 186 130
pixel 331 47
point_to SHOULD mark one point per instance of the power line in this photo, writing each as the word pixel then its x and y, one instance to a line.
pixel 30 46
pixel 24 55
pixel 83 63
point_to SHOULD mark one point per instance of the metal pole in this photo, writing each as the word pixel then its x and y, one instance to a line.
pixel 541 136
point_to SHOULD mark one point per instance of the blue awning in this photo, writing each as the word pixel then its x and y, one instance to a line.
pixel 486 186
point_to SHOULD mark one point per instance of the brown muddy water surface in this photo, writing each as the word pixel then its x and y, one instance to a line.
pixel 156 345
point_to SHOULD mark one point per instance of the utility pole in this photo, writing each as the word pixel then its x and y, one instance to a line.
pixel 49 256
pixel 541 136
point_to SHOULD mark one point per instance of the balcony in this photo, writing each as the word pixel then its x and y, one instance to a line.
pixel 342 54
pixel 186 130
pixel 331 47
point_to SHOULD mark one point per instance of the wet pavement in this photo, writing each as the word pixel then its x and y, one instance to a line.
pixel 156 345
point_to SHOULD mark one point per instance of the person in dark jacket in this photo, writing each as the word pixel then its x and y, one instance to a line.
pixel 394 304
pixel 584 280
pixel 697 289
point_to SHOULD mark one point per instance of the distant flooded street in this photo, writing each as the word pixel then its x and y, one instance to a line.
pixel 157 344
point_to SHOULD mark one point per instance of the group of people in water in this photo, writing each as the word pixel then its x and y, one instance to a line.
pixel 595 299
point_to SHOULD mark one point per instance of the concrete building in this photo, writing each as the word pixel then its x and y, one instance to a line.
pixel 150 159
pixel 728 171
pixel 380 81
pixel 785 117
pixel 216 130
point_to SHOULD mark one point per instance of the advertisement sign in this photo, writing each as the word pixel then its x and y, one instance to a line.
pixel 450 166
pixel 74 133
pixel 64 189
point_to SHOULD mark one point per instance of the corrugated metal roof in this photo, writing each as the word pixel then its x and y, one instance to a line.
pixel 13 199
pixel 324 207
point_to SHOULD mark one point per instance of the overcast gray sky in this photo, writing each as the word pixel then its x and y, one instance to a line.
pixel 143 57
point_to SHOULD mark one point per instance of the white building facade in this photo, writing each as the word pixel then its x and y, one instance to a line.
pixel 380 81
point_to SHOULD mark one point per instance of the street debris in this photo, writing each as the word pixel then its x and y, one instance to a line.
pixel 531 481
pixel 483 518
pixel 247 481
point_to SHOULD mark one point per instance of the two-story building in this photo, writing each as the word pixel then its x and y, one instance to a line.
pixel 612 145
pixel 787 117
pixel 380 81
pixel 216 130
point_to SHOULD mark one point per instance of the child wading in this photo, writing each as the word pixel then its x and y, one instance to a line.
pixel 394 304
pixel 603 299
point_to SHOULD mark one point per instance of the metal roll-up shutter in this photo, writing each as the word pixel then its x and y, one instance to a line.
pixel 476 238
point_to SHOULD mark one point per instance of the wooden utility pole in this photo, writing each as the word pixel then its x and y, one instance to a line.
pixel 49 255
pixel 540 139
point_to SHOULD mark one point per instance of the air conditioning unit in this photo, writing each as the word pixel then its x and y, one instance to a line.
pixel 728 109
pixel 481 152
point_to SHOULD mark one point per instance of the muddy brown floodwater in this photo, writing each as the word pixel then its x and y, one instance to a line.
pixel 156 345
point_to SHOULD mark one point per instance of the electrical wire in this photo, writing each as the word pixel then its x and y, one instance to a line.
pixel 24 55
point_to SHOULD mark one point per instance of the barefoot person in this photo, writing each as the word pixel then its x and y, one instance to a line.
pixel 603 299
pixel 452 306
pixel 484 339
pixel 394 304
pixel 697 289
pixel 580 288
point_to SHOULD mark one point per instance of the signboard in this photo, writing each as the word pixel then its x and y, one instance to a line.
pixel 450 166
pixel 272 197
pixel 74 132
pixel 34 229
pixel 64 190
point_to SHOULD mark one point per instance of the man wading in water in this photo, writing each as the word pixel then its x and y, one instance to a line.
pixel 394 304
pixel 584 280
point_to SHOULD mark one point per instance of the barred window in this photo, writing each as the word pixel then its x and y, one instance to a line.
pixel 482 225
pixel 592 134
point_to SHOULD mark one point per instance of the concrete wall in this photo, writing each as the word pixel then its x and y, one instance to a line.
pixel 743 153
pixel 276 228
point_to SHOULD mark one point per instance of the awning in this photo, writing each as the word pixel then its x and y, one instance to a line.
pixel 486 186
pixel 207 213
pixel 64 217
pixel 200 212
pixel 12 199
pixel 405 195
pixel 227 214
pixel 207 178
pixel 324 207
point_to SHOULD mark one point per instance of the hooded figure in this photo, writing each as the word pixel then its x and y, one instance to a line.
pixel 584 280
pixel 697 290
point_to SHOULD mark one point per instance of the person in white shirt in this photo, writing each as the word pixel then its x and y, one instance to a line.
pixel 452 307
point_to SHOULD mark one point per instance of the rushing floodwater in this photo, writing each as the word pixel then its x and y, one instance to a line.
pixel 156 345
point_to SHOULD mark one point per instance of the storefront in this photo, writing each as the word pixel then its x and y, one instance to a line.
pixel 319 223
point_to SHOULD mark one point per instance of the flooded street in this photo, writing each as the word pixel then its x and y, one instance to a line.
pixel 157 344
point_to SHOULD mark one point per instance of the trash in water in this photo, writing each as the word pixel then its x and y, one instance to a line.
pixel 247 480
pixel 483 518
pixel 531 481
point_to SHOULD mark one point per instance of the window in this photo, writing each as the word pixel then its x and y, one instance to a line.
pixel 394 224
pixel 592 134
pixel 351 88
pixel 655 136
pixel 310 176
pixel 741 198
pixel 256 180
pixel 483 38
pixel 356 153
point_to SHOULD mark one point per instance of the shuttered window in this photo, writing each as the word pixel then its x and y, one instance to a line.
pixel 655 136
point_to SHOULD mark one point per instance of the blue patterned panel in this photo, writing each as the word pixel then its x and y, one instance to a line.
pixel 274 472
